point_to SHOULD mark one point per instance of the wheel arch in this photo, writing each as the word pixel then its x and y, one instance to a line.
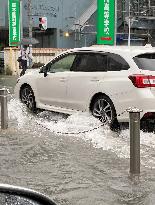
pixel 97 95
pixel 23 86
pixel 114 125
pixel 33 105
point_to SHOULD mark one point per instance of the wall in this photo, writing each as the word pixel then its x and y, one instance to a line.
pixel 42 55
pixel 10 62
pixel 48 8
pixel 56 11
pixel 3 13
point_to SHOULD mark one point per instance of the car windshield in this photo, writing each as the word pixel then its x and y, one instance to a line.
pixel 145 61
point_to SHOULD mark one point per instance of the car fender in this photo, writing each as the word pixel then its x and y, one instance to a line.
pixel 23 80
pixel 102 89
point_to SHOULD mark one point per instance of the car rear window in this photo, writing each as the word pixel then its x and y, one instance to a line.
pixel 145 61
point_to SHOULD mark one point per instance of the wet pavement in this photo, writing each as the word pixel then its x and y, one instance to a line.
pixel 73 169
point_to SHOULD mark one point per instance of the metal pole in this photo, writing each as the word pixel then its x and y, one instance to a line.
pixel 85 40
pixel 129 33
pixel 30 22
pixel 4 108
pixel 134 125
pixel 21 20
pixel 115 41
pixel 75 37
pixel 30 18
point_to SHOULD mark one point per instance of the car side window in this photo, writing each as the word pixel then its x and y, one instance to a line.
pixel 101 62
pixel 90 62
pixel 80 63
pixel 116 62
pixel 62 64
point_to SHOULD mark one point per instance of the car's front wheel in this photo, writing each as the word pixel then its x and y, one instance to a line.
pixel 27 97
pixel 103 109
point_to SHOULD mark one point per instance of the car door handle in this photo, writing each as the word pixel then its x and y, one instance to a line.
pixel 62 79
pixel 94 79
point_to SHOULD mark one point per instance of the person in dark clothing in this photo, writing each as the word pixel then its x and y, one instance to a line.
pixel 24 55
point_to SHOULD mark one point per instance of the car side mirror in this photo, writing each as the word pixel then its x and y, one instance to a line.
pixel 43 70
pixel 45 73
pixel 13 195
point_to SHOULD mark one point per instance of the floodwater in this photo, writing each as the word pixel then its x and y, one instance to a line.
pixel 49 153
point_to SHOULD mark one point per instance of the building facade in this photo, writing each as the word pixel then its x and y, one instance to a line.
pixel 72 23
pixel 63 16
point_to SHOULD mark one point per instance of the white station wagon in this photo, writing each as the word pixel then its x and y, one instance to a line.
pixel 103 80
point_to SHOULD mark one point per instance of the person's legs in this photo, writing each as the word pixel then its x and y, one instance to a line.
pixel 24 67
pixel 22 72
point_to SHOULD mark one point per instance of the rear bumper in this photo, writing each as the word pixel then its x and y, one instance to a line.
pixel 141 99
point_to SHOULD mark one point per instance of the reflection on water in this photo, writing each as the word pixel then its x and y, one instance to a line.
pixel 81 169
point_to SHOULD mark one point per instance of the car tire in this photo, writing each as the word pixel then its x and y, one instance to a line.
pixel 147 126
pixel 103 109
pixel 27 97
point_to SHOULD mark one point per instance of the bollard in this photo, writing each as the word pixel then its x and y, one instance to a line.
pixel 134 125
pixel 4 108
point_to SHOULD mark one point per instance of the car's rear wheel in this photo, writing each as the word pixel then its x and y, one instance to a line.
pixel 27 97
pixel 103 109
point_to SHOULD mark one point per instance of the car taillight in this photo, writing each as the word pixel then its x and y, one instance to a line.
pixel 149 115
pixel 142 81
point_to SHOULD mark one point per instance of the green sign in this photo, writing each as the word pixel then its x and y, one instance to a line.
pixel 14 22
pixel 106 22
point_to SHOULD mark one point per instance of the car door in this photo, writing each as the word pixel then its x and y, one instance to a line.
pixel 52 89
pixel 116 78
pixel 117 84
pixel 87 71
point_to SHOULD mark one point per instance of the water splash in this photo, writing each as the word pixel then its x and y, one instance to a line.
pixel 104 138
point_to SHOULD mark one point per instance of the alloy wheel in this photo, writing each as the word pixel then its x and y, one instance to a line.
pixel 102 110
pixel 27 97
